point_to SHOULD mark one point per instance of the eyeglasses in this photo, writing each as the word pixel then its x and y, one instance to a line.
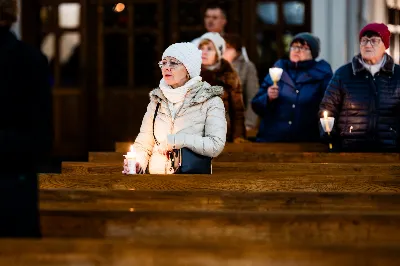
pixel 299 49
pixel 172 64
pixel 373 41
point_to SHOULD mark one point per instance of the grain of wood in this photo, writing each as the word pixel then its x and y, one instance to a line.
pixel 281 227
pixel 83 168
pixel 150 252
pixel 274 157
pixel 120 200
pixel 245 182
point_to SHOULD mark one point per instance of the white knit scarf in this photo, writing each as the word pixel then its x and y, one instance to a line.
pixel 178 94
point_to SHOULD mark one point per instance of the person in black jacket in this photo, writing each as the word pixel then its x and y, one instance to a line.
pixel 25 127
pixel 364 97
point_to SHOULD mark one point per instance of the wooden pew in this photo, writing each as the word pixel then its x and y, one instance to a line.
pixel 244 182
pixel 147 252
pixel 282 227
pixel 253 147
pixel 112 200
pixel 88 168
pixel 275 157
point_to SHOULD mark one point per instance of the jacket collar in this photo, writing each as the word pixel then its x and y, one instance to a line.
pixel 387 67
pixel 200 93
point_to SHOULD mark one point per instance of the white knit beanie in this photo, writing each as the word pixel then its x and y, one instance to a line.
pixel 217 40
pixel 188 54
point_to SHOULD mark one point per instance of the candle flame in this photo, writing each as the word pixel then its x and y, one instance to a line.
pixel 325 114
pixel 132 149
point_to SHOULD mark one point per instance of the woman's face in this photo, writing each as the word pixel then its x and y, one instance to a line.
pixel 299 52
pixel 173 71
pixel 209 54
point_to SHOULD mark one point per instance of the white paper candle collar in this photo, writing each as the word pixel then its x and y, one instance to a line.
pixel 276 74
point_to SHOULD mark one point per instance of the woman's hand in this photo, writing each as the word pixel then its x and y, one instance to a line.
pixel 273 92
pixel 139 169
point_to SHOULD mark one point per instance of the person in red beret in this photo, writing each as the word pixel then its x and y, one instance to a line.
pixel 364 97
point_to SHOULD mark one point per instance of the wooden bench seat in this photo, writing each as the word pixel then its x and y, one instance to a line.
pixel 254 147
pixel 276 157
pixel 227 182
pixel 284 227
pixel 150 252
pixel 270 168
pixel 63 199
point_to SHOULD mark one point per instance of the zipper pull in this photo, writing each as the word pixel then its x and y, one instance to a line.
pixel 351 129
pixel 391 129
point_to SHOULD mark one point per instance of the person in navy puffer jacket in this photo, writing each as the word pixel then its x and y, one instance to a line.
pixel 289 111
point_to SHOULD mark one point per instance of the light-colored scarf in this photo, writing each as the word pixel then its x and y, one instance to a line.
pixel 176 96
pixel 373 69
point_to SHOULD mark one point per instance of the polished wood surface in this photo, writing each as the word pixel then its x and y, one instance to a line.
pixel 244 182
pixel 276 157
pixel 123 200
pixel 147 252
pixel 284 227
pixel 254 167
pixel 253 147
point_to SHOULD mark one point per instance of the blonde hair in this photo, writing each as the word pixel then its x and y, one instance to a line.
pixel 206 42
pixel 8 12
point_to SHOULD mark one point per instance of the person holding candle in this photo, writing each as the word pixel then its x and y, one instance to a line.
pixel 219 72
pixel 288 110
pixel 364 97
pixel 190 113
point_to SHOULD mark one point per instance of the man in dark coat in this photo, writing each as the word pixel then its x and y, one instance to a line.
pixel 25 127
pixel 289 110
pixel 364 97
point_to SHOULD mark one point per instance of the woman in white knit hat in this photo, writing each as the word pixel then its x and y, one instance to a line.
pixel 191 113
pixel 219 72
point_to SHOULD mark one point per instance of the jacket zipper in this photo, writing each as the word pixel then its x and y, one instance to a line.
pixel 372 108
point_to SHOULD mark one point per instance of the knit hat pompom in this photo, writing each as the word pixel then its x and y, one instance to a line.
pixel 217 40
pixel 188 54
pixel 381 29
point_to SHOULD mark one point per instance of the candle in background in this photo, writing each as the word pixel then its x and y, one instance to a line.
pixel 131 158
pixel 276 74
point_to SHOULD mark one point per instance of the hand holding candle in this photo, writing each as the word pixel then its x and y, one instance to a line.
pixel 327 122
pixel 327 125
pixel 275 73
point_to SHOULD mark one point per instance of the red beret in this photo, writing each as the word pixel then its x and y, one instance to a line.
pixel 381 29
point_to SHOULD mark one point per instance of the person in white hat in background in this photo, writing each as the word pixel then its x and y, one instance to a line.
pixel 191 113
pixel 219 72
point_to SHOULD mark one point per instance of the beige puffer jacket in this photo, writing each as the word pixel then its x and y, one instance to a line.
pixel 199 125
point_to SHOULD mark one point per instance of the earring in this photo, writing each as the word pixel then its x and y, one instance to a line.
pixel 187 75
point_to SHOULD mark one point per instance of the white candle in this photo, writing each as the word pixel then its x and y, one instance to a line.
pixel 131 158
pixel 326 121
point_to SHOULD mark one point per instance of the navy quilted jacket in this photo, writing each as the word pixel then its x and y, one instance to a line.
pixel 366 108
pixel 293 116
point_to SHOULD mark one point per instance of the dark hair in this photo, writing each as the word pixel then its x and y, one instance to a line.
pixel 234 40
pixel 8 12
pixel 216 5
pixel 301 41
pixel 370 33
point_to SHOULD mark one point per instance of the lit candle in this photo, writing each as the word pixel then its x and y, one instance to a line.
pixel 131 158
pixel 275 73
pixel 326 121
